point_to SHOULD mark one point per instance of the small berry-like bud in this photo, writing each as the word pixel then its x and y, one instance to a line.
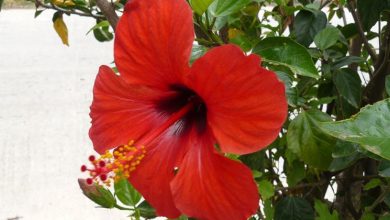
pixel 89 181
pixel 83 168
pixel 103 177
pixel 91 158
pixel 102 163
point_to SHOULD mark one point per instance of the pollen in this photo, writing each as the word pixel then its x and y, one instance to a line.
pixel 114 165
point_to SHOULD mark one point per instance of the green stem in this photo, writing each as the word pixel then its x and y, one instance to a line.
pixel 204 29
pixel 207 20
pixel 204 41
pixel 213 22
pixel 123 208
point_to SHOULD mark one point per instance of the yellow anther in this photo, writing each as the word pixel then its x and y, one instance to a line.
pixel 118 163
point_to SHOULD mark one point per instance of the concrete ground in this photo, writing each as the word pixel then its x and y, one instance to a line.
pixel 45 94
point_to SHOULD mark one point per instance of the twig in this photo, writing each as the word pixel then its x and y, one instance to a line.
pixel 300 186
pixel 380 198
pixel 323 4
pixel 343 14
pixel 38 3
pixel 356 18
pixel 374 89
pixel 108 11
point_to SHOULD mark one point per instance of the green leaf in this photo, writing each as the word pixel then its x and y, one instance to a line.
pixel 269 210
pixel 200 6
pixel 146 210
pixel 323 211
pixel 256 174
pixel 197 52
pixel 341 163
pixel 384 168
pixel 242 41
pixel 344 149
pixel 327 37
pixel 308 23
pixel 388 85
pixel 385 217
pixel 37 12
pixel 226 7
pixel 97 194
pixel 345 61
pixel 286 52
pixel 368 216
pixel 293 208
pixel 126 192
pixel 291 92
pixel 369 127
pixel 348 85
pixel 369 11
pixel 255 160
pixel 1 3
pixel 101 31
pixel 182 217
pixel 266 189
pixel 295 173
pixel 305 138
pixel 101 24
pixel 372 184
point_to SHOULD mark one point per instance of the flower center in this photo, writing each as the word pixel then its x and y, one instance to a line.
pixel 120 162
pixel 180 97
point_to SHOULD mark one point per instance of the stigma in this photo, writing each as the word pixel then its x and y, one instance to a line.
pixel 114 165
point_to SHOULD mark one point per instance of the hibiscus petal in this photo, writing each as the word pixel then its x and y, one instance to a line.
pixel 120 111
pixel 210 186
pixel 246 104
pixel 153 176
pixel 153 41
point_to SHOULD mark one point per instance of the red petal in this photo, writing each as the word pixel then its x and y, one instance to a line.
pixel 210 186
pixel 153 41
pixel 120 112
pixel 157 169
pixel 246 104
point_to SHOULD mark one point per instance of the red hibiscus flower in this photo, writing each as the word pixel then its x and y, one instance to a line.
pixel 181 118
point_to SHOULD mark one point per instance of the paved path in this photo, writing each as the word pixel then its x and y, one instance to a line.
pixel 45 93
